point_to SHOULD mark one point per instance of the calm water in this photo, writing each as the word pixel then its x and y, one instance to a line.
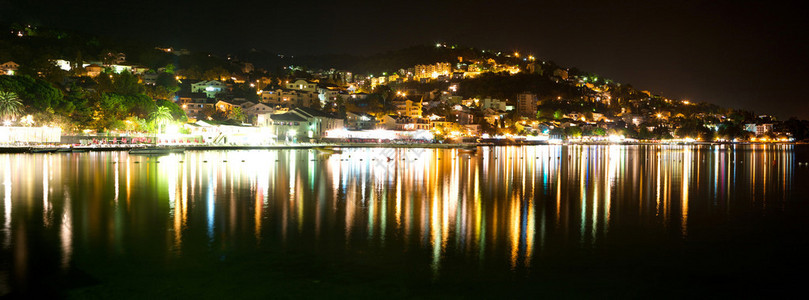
pixel 615 221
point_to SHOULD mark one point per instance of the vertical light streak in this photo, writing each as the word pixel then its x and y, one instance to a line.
pixel 686 181
pixel 175 205
pixel 583 199
pixel 398 200
pixel 435 235
pixel 530 233
pixel 128 182
pixel 210 205
pixel 7 203
pixel 46 205
pixel 514 230
pixel 66 232
pixel 658 168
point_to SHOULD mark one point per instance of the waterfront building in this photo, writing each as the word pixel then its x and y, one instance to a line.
pixel 300 124
pixel 758 129
pixel 405 123
pixel 12 134
pixel 229 134
pixel 360 121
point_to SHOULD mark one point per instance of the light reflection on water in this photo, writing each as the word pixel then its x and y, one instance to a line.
pixel 501 206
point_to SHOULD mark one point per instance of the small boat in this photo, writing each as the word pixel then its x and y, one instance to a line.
pixel 328 150
pixel 44 150
pixel 80 150
pixel 156 150
pixel 64 150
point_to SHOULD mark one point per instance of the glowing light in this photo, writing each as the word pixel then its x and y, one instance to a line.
pixel 27 120
pixel 616 138
pixel 172 129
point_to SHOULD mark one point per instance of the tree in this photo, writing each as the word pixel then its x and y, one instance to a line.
pixel 126 84
pixel 161 116
pixel 167 81
pixel 216 73
pixel 33 92
pixel 236 114
pixel 176 111
pixel 557 133
pixel 10 105
pixel 729 131
pixel 573 131
pixel 557 114
pixel 108 109
pixel 169 69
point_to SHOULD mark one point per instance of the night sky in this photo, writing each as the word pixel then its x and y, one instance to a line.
pixel 739 54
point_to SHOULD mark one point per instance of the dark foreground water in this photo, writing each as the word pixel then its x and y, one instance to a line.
pixel 600 221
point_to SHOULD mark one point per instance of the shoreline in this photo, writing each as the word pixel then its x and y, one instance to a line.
pixel 71 149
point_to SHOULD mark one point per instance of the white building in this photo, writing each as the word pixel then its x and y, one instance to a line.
pixel 12 134
pixel 290 98
pixel 302 85
pixel 230 134
pixel 758 129
pixel 253 111
pixel 299 124
pixel 209 87
pixel 495 104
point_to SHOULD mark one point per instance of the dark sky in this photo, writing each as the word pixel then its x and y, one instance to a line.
pixel 740 54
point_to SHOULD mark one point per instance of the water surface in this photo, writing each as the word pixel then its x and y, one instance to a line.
pixel 620 221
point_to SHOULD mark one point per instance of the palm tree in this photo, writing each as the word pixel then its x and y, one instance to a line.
pixel 10 105
pixel 161 116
